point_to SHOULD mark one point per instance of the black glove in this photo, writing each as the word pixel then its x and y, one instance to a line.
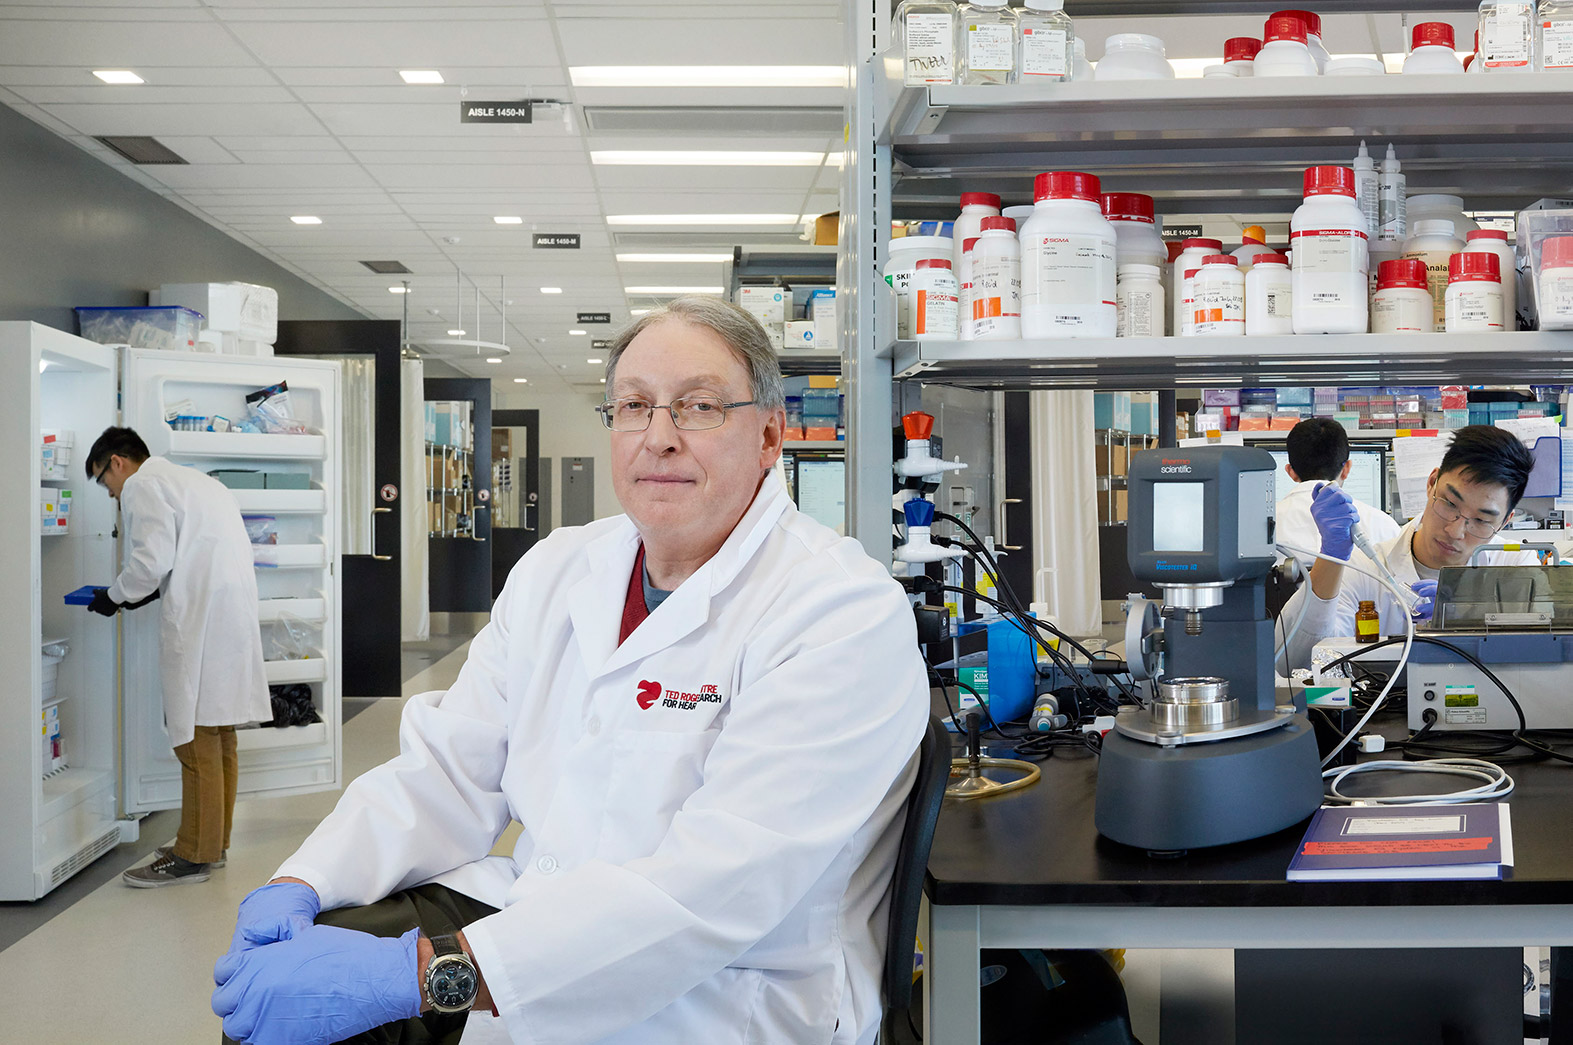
pixel 103 604
pixel 142 602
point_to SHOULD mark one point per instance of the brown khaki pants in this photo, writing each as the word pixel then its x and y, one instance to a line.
pixel 209 773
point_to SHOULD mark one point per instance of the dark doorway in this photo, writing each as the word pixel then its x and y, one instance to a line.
pixel 459 492
pixel 516 501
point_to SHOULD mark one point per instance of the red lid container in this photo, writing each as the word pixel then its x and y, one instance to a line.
pixel 944 263
pixel 1329 181
pixel 1496 234
pixel 917 424
pixel 1270 259
pixel 1284 27
pixel 967 243
pixel 1241 48
pixel 1196 241
pixel 1402 272
pixel 1220 259
pixel 1066 185
pixel 995 222
pixel 987 199
pixel 1128 206
pixel 1556 252
pixel 1468 266
pixel 1312 20
pixel 1432 34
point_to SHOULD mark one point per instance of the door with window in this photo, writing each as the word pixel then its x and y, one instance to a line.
pixel 516 500
pixel 459 493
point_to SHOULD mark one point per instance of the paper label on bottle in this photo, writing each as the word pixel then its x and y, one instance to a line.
pixel 1556 45
pixel 1395 313
pixel 1329 250
pixel 996 291
pixel 1076 271
pixel 1556 295
pixel 1218 308
pixel 991 48
pixel 1474 306
pixel 934 313
pixel 901 283
pixel 930 49
pixel 1043 53
pixel 1393 206
pixel 1505 36
pixel 1139 314
pixel 1436 280
pixel 1276 299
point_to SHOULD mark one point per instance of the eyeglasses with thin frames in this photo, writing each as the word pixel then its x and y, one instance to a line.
pixel 99 478
pixel 1448 512
pixel 691 413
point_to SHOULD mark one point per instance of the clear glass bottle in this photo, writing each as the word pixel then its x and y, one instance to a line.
pixel 988 43
pixel 1507 35
pixel 926 38
pixel 1556 35
pixel 1046 41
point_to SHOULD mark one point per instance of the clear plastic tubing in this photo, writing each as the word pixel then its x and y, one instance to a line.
pixel 1067 260
pixel 1474 293
pixel 1555 283
pixel 1494 241
pixel 964 288
pixel 1432 50
pixel 1329 240
pixel 1140 301
pixel 975 206
pixel 1403 300
pixel 1186 265
pixel 1313 35
pixel 934 308
pixel 1269 297
pixel 1219 295
pixel 1284 51
pixel 1239 55
pixel 995 306
pixel 1434 244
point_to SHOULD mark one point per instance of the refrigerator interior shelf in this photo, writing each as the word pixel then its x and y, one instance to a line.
pixel 281 500
pixel 66 788
pixel 286 556
pixel 284 736
pixel 311 669
pixel 247 444
pixel 269 610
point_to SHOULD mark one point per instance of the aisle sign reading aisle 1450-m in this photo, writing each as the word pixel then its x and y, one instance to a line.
pixel 494 112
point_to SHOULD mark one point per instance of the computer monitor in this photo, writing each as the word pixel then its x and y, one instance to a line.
pixel 1367 471
pixel 819 485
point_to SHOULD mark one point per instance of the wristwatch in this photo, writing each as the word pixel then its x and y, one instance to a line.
pixel 451 979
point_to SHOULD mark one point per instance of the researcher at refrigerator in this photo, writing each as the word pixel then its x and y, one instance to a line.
pixel 187 546
pixel 703 714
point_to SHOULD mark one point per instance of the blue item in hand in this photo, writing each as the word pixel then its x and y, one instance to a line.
pixel 277 911
pixel 1335 515
pixel 82 596
pixel 1427 604
pixel 323 985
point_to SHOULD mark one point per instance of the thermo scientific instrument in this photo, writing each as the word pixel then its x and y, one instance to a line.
pixel 1213 758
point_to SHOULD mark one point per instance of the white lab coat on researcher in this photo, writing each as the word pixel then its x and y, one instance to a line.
pixel 188 542
pixel 1335 617
pixel 1295 525
pixel 710 811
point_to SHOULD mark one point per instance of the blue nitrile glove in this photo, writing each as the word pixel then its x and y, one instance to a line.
pixel 277 911
pixel 321 986
pixel 1335 515
pixel 1427 604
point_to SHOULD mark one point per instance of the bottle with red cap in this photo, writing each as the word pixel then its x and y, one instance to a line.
pixel 934 307
pixel 1474 293
pixel 1432 50
pixel 1239 55
pixel 1313 35
pixel 1494 241
pixel 1135 229
pixel 964 289
pixel 1403 298
pixel 1218 305
pixel 1067 260
pixel 1554 283
pixel 1328 235
pixel 1284 50
pixel 1186 265
pixel 1269 296
pixel 994 304
pixel 975 206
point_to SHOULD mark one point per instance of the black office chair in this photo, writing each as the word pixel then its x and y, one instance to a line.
pixel 906 890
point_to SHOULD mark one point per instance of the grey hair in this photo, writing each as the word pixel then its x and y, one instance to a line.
pixel 737 328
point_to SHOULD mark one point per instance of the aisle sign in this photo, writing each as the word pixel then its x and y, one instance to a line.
pixel 554 240
pixel 601 342
pixel 494 112
pixel 595 317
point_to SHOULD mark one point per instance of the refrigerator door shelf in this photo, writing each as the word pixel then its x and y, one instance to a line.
pixel 247 444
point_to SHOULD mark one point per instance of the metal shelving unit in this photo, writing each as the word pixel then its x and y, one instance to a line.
pixel 788 269
pixel 441 498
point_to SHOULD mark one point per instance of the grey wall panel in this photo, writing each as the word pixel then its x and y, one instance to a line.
pixel 74 231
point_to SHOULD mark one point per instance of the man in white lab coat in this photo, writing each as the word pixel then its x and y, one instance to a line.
pixel 188 548
pixel 702 713
pixel 1319 453
pixel 1468 499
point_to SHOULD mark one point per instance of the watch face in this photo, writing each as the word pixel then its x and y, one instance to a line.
pixel 452 984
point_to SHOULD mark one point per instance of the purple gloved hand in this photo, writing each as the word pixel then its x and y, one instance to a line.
pixel 1335 515
pixel 1427 605
pixel 277 911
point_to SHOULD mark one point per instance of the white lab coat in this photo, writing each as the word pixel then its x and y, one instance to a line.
pixel 695 872
pixel 1296 527
pixel 188 542
pixel 1335 617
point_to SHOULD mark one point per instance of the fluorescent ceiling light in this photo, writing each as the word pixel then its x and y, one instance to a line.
pixel 640 311
pixel 702 158
pixel 398 290
pixel 494 359
pixel 118 76
pixel 420 75
pixel 603 380
pixel 676 259
pixel 521 380
pixel 671 290
pixel 508 219
pixel 306 219
pixel 455 333
pixel 578 333
pixel 708 75
pixel 594 359
pixel 551 290
pixel 701 219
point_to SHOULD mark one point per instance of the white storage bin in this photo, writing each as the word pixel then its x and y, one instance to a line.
pixel 248 311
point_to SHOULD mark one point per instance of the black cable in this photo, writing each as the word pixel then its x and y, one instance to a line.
pixel 1060 660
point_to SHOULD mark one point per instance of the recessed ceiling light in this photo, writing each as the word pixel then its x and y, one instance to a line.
pixel 398 290
pixel 494 359
pixel 508 219
pixel 701 219
pixel 603 380
pixel 306 219
pixel 420 76
pixel 521 380
pixel 455 333
pixel 640 311
pixel 118 76
pixel 703 158
pixel 708 75
pixel 675 259
pixel 594 359
pixel 551 290
pixel 672 290
pixel 578 333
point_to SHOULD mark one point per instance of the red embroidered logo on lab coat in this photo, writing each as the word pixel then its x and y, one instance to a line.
pixel 649 693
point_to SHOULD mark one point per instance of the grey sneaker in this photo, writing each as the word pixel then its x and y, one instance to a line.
pixel 166 870
pixel 169 850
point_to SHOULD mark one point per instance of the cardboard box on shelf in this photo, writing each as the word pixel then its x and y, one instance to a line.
pixel 1110 460
pixel 766 304
pixel 800 334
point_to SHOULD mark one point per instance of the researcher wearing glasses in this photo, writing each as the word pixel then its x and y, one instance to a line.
pixel 702 715
pixel 1468 499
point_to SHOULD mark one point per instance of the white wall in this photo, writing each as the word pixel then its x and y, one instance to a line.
pixel 569 428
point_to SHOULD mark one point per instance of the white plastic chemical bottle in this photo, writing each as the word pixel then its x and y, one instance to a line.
pixel 1219 309
pixel 975 206
pixel 1046 35
pixel 1019 214
pixel 995 307
pixel 1081 69
pixel 934 307
pixel 1434 243
pixel 1506 37
pixel 1403 301
pixel 1253 241
pixel 928 41
pixel 1135 228
pixel 1390 204
pixel 1284 51
pixel 902 265
pixel 1494 241
pixel 1556 283
pixel 1556 35
pixel 988 42
pixel 1186 264
pixel 1313 35
pixel 1067 260
pixel 964 288
pixel 1433 50
pixel 1140 301
pixel 1134 56
pixel 1329 272
pixel 1474 294
pixel 1269 297
pixel 1368 194
pixel 1239 55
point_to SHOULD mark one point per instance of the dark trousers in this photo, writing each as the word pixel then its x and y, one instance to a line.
pixel 437 910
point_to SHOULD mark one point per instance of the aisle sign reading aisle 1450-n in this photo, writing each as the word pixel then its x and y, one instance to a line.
pixel 494 112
